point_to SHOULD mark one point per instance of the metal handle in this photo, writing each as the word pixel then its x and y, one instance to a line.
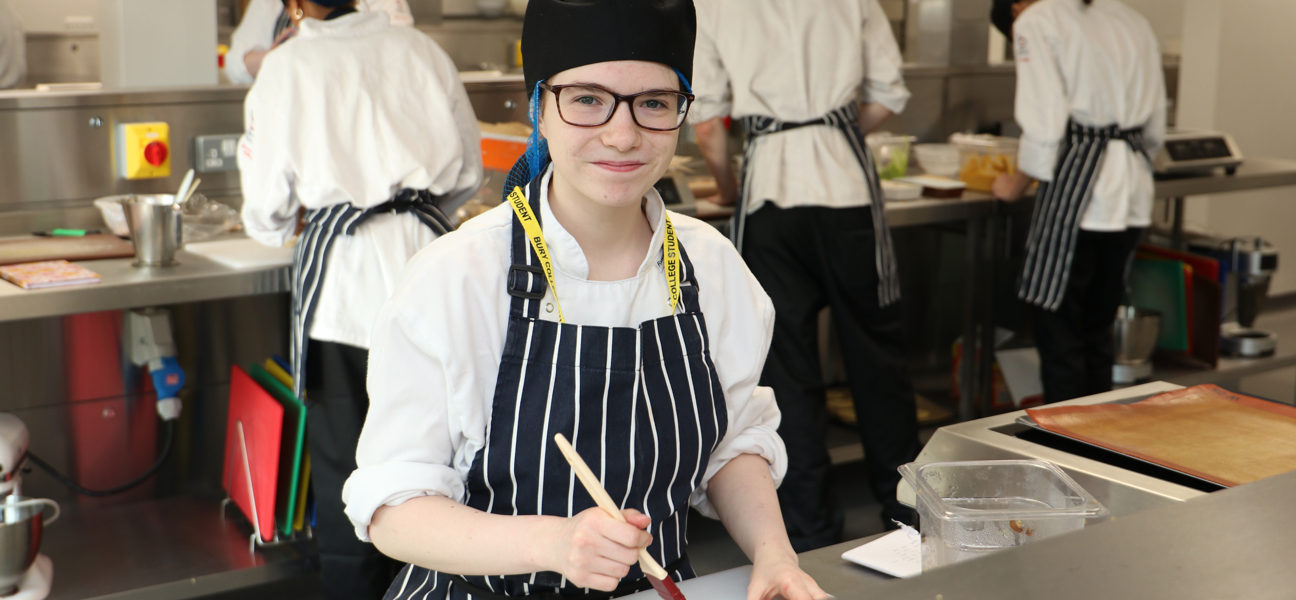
pixel 32 501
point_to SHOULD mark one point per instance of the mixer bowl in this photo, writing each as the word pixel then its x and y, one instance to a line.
pixel 1136 331
pixel 21 524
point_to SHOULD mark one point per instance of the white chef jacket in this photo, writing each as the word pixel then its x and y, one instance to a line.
pixel 795 61
pixel 1098 65
pixel 256 30
pixel 13 47
pixel 438 341
pixel 353 111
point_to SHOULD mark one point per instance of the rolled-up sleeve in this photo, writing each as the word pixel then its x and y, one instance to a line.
pixel 406 448
pixel 1154 132
pixel 265 169
pixel 884 68
pixel 432 365
pixel 710 79
pixel 741 324
pixel 254 32
pixel 1042 108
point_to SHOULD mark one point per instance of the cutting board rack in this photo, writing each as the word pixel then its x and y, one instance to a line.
pixel 257 540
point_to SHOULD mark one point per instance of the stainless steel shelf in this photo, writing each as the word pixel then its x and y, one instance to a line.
pixel 173 549
pixel 195 279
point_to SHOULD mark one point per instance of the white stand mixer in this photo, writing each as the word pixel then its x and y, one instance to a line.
pixel 24 574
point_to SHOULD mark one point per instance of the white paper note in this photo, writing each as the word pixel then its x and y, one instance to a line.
pixel 898 554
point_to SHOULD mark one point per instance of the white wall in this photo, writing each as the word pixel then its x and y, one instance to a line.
pixel 1166 18
pixel 1237 75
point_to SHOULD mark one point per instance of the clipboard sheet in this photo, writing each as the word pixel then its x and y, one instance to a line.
pixel 1205 431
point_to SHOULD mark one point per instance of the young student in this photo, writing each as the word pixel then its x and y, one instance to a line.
pixel 582 307
pixel 1091 103
pixel 366 128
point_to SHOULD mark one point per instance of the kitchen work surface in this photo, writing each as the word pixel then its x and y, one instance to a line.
pixel 195 279
pixel 1236 543
pixel 1204 431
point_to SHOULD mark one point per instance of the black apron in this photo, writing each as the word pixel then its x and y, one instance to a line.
pixel 642 406
pixel 322 227
pixel 846 120
pixel 1059 207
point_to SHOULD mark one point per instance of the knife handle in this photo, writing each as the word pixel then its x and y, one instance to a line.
pixel 595 488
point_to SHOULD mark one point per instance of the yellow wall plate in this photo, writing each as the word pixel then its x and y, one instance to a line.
pixel 145 150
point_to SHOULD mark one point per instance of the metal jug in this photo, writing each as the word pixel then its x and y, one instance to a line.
pixel 155 227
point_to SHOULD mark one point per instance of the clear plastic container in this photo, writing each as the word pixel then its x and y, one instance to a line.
pixel 983 158
pixel 938 159
pixel 890 153
pixel 970 509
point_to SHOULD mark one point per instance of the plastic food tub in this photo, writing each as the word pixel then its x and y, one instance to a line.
pixel 938 159
pixel 890 153
pixel 983 158
pixel 970 509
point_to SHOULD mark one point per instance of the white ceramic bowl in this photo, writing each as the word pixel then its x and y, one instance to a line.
pixel 113 214
pixel 938 159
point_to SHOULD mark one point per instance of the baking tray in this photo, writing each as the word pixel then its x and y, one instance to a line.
pixel 1029 422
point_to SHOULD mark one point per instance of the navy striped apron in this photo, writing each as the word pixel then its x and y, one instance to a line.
pixel 323 225
pixel 1059 207
pixel 846 120
pixel 642 406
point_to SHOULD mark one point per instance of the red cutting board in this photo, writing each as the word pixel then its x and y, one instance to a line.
pixel 262 418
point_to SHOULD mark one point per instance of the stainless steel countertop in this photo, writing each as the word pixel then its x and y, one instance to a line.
pixel 1237 543
pixel 122 286
pixel 175 548
pixel 1254 173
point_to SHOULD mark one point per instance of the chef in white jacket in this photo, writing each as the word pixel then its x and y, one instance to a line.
pixel 366 129
pixel 266 24
pixel 13 48
pixel 807 80
pixel 1091 103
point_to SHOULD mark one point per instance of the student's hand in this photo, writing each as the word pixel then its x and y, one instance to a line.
pixel 780 577
pixel 595 551
pixel 1010 187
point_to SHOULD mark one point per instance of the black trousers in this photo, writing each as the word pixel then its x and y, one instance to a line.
pixel 1075 342
pixel 336 404
pixel 807 258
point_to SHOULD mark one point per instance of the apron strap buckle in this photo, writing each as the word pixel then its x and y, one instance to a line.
pixel 520 287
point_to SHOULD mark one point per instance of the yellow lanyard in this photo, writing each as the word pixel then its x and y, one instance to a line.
pixel 670 250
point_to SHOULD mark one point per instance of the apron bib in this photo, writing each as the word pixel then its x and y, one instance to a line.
pixel 845 120
pixel 323 225
pixel 1059 206
pixel 642 406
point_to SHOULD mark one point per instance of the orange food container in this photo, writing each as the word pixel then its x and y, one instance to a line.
pixel 499 152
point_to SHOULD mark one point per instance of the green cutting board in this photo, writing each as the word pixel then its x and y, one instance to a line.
pixel 290 456
pixel 1159 284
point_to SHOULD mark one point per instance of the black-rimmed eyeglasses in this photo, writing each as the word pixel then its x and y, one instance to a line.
pixel 591 106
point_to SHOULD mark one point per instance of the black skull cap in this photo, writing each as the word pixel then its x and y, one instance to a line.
pixel 564 34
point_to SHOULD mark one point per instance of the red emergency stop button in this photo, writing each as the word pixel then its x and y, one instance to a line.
pixel 155 153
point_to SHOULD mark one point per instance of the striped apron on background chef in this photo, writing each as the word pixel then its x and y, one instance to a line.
pixel 643 407
pixel 323 225
pixel 846 120
pixel 1059 207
